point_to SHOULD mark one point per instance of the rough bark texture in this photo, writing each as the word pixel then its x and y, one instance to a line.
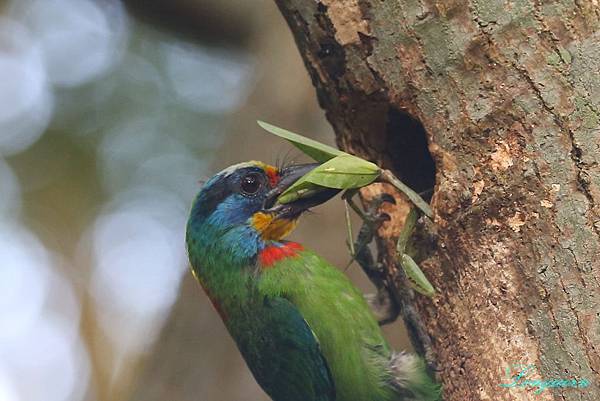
pixel 505 96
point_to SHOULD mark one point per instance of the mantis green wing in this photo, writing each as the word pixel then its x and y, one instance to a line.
pixel 342 172
pixel 316 150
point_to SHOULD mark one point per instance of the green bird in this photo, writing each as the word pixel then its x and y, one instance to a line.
pixel 304 330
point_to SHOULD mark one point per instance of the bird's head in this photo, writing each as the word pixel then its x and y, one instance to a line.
pixel 235 215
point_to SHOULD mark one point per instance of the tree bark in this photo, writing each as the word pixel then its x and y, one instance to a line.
pixel 498 104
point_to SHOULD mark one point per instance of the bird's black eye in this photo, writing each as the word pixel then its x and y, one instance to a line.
pixel 251 184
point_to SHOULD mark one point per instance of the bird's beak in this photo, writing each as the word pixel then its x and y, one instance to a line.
pixel 288 176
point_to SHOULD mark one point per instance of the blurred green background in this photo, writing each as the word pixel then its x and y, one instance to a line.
pixel 110 114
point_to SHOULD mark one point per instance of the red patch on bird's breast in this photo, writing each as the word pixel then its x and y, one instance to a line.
pixel 275 253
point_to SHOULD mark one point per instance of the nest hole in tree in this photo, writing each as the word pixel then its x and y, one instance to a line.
pixel 407 143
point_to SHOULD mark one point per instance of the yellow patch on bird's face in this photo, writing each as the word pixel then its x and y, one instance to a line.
pixel 262 165
pixel 271 228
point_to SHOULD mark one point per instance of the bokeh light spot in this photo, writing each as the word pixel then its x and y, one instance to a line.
pixel 24 95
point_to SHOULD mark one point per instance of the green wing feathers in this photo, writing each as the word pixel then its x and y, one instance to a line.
pixel 350 338
pixel 362 365
pixel 283 353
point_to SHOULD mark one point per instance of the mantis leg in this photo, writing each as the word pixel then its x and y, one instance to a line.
pixel 415 198
pixel 386 310
pixel 415 276
pixel 385 303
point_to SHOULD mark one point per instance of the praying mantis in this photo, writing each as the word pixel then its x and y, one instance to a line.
pixel 341 170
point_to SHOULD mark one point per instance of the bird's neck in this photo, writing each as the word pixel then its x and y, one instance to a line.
pixel 227 267
pixel 224 262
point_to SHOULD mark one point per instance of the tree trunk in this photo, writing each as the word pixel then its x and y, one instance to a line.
pixel 498 104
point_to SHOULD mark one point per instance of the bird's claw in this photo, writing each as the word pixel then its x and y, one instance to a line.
pixel 373 218
pixel 372 215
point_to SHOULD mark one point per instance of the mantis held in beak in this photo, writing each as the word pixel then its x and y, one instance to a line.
pixel 341 170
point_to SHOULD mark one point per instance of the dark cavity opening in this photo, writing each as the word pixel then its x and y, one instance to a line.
pixel 407 147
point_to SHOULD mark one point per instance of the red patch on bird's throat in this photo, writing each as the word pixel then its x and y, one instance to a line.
pixel 275 253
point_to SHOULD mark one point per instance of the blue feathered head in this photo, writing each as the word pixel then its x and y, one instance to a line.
pixel 235 214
